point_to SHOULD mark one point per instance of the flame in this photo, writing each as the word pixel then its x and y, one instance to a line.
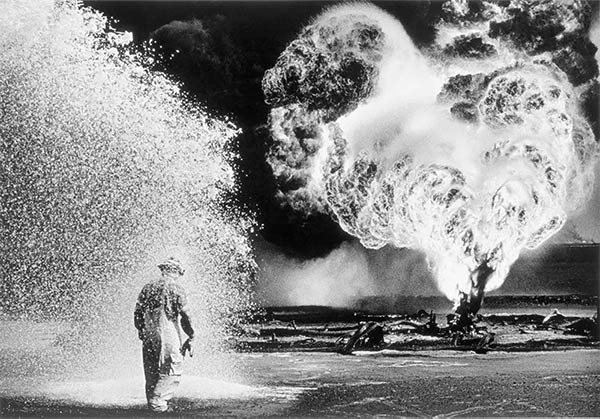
pixel 491 165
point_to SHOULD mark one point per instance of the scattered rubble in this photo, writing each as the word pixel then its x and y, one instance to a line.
pixel 345 331
pixel 369 335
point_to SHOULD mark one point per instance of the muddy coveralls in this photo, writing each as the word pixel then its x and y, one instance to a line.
pixel 160 309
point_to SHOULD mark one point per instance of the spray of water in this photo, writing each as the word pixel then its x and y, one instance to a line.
pixel 106 169
pixel 471 168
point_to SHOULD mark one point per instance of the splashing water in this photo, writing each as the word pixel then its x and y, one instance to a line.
pixel 400 149
pixel 107 169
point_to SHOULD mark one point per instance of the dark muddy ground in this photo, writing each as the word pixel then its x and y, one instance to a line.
pixel 447 383
pixel 288 364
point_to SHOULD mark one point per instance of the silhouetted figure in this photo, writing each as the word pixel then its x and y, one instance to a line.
pixel 471 303
pixel 554 317
pixel 160 314
pixel 368 335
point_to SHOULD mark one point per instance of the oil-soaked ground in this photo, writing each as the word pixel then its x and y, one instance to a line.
pixel 448 383
pixel 287 365
pixel 508 380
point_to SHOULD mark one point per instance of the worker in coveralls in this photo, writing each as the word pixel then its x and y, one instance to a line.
pixel 160 310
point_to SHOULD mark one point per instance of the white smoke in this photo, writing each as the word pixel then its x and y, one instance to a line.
pixel 335 280
pixel 341 278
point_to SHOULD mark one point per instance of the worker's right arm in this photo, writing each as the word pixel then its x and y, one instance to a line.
pixel 186 319
pixel 186 322
pixel 138 317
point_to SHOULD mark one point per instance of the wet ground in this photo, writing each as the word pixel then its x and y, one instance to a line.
pixel 288 366
pixel 447 383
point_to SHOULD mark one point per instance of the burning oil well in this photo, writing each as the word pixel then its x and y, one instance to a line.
pixel 469 148
pixel 549 301
pixel 471 151
pixel 560 275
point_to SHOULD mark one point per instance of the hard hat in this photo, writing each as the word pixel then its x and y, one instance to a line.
pixel 172 265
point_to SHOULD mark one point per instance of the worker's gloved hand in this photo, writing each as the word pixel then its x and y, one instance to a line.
pixel 187 347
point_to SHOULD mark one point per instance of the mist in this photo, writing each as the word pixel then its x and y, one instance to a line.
pixel 340 279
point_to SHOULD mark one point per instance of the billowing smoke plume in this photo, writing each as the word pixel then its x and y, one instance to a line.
pixel 471 153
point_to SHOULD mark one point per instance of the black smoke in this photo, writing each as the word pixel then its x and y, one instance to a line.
pixel 221 50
